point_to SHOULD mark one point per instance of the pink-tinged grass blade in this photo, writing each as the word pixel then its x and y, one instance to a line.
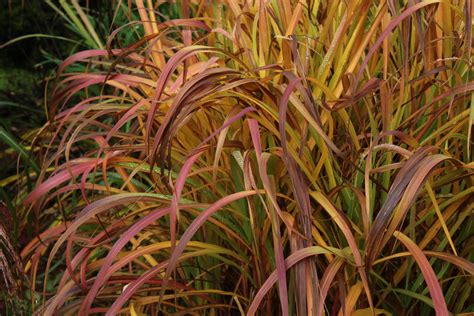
pixel 428 273
pixel 326 281
pixel 279 256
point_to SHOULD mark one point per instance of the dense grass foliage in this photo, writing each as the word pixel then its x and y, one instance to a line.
pixel 36 36
pixel 259 157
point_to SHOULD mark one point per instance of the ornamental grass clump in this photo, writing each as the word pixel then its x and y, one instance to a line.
pixel 260 157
